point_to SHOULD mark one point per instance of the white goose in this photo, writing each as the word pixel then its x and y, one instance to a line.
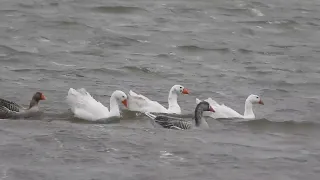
pixel 223 111
pixel 138 102
pixel 84 106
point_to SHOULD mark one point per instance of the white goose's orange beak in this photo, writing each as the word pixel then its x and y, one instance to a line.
pixel 261 102
pixel 125 103
pixel 185 91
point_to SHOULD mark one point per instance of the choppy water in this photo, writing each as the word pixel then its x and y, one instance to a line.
pixel 222 49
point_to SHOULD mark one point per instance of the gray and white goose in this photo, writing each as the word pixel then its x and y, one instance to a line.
pixel 10 109
pixel 181 124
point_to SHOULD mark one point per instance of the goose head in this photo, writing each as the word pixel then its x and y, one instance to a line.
pixel 36 98
pixel 121 97
pixel 254 99
pixel 204 106
pixel 178 89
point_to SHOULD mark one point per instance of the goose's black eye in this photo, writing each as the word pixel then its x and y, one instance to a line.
pixel 123 96
pixel 180 87
pixel 257 97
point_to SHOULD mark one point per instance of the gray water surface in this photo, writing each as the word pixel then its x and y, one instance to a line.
pixel 224 49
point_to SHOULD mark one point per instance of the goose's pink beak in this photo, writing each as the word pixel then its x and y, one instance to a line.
pixel 261 102
pixel 185 91
pixel 211 109
pixel 125 103
pixel 42 97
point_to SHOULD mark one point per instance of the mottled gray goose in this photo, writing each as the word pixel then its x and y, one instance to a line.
pixel 178 123
pixel 11 109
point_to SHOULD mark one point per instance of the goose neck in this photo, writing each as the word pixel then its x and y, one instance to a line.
pixel 33 103
pixel 114 106
pixel 172 100
pixel 198 115
pixel 248 112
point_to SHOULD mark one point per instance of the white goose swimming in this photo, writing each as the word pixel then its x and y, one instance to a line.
pixel 84 106
pixel 140 103
pixel 223 111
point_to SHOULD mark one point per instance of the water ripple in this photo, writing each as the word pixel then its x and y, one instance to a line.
pixel 118 9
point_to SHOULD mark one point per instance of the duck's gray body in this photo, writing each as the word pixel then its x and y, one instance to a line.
pixel 9 109
pixel 173 123
pixel 12 106
pixel 178 123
